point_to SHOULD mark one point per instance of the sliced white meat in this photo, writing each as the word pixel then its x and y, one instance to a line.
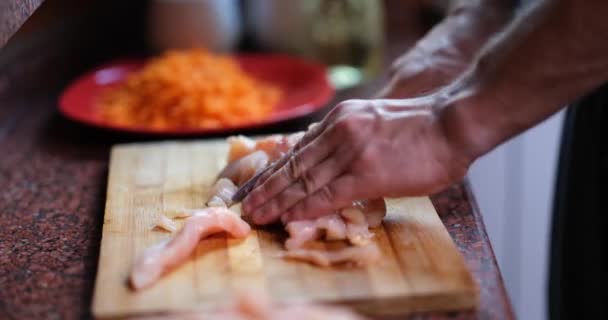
pixel 357 228
pixel 330 227
pixel 161 258
pixel 244 168
pixel 240 146
pixel 374 210
pixel 358 255
pixel 259 306
pixel 163 222
pixel 221 193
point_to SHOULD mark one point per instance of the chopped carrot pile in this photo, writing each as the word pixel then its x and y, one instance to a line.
pixel 188 89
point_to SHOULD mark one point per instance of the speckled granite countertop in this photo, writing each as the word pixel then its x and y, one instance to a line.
pixel 53 176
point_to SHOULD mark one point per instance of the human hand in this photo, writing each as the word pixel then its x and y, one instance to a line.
pixel 363 149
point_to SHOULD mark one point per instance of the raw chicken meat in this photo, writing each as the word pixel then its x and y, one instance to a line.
pixel 300 232
pixel 274 146
pixel 159 259
pixel 357 228
pixel 165 223
pixel 221 193
pixel 256 306
pixel 244 168
pixel 252 306
pixel 180 213
pixel 359 255
pixel 374 210
pixel 247 157
pixel 350 224
pixel 240 146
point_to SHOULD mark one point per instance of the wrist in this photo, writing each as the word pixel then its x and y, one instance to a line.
pixel 468 131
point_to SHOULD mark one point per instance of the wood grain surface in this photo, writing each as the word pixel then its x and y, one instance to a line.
pixel 421 269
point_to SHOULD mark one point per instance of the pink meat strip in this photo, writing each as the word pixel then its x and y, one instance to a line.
pixel 258 306
pixel 221 193
pixel 253 306
pixel 244 168
pixel 240 146
pixel 161 258
pixel 165 223
pixel 274 146
pixel 350 224
pixel 374 211
pixel 332 227
pixel 359 255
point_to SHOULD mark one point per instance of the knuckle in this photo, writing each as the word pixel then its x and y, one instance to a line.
pixel 367 162
pixel 347 106
pixel 347 126
pixel 284 201
pixel 262 192
pixel 308 182
pixel 293 167
pixel 340 108
pixel 368 157
pixel 287 198
pixel 410 72
pixel 326 194
pixel 307 137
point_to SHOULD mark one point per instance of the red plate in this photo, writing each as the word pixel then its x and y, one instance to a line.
pixel 304 86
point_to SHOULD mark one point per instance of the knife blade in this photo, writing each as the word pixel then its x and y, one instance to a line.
pixel 246 188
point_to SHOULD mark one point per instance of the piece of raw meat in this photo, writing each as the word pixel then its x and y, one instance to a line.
pixel 244 168
pixel 240 146
pixel 374 210
pixel 258 306
pixel 358 255
pixel 357 227
pixel 159 259
pixel 274 146
pixel 221 193
pixel 350 224
pixel 163 222
pixel 332 227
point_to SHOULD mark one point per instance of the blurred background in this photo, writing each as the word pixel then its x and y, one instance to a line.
pixel 356 39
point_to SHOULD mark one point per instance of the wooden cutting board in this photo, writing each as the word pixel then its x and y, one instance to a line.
pixel 421 269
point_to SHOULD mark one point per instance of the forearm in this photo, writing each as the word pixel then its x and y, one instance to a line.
pixel 468 25
pixel 448 49
pixel 552 54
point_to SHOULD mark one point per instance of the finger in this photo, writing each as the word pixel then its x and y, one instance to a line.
pixel 336 195
pixel 289 171
pixel 314 130
pixel 308 183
